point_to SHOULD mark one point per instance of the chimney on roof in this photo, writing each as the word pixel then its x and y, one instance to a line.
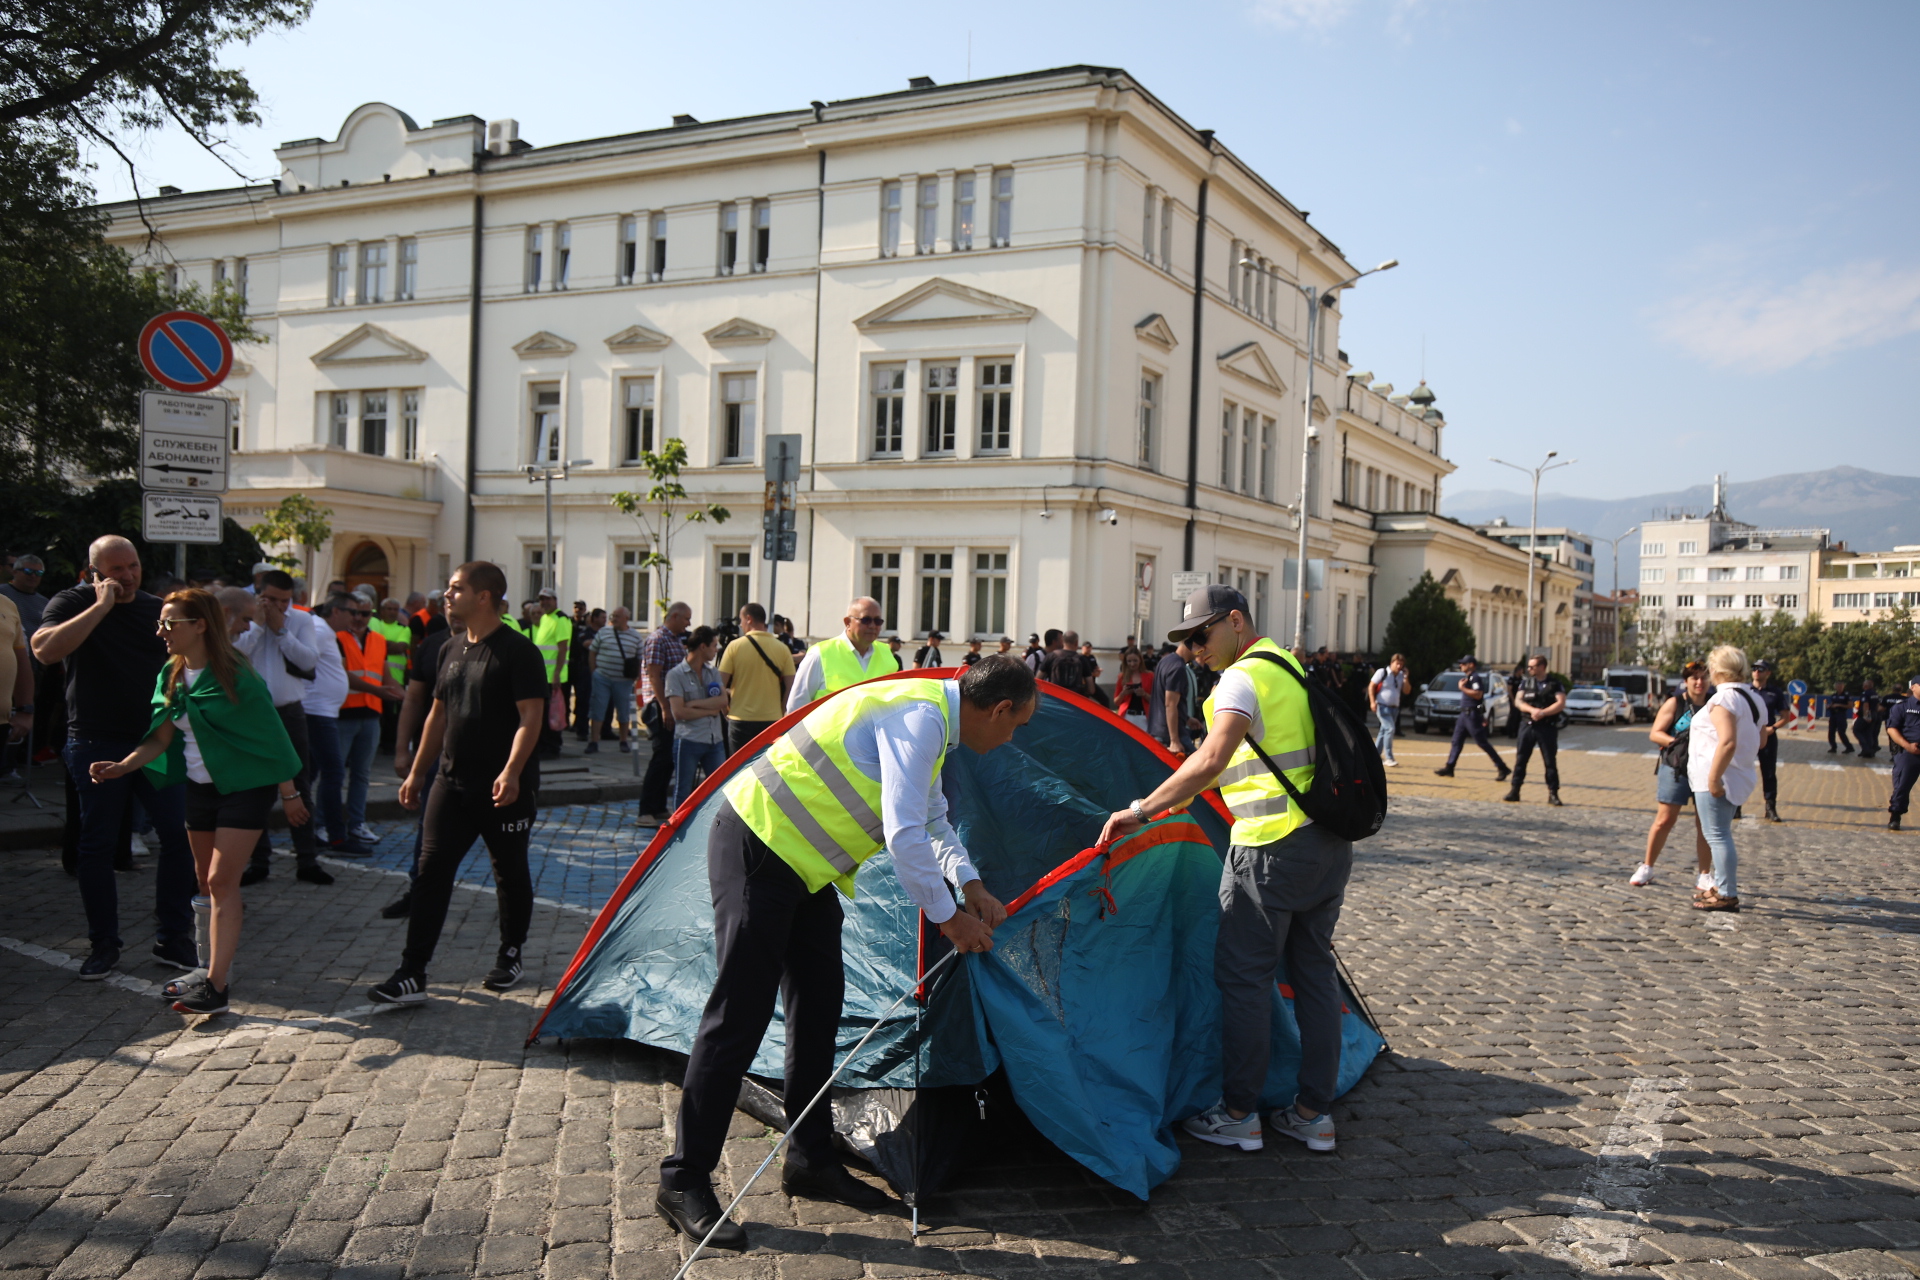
pixel 920 82
pixel 502 135
pixel 169 191
pixel 682 121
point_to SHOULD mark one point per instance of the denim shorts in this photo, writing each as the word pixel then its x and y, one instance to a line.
pixel 1673 787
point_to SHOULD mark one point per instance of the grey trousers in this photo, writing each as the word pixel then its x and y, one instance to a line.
pixel 1279 902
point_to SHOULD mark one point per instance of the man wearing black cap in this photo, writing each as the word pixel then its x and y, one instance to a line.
pixel 1870 710
pixel 1903 738
pixel 1283 883
pixel 1779 715
pixel 1472 720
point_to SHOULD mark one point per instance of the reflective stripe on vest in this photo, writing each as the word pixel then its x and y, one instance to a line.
pixel 806 798
pixel 1261 809
pixel 840 664
pixel 366 663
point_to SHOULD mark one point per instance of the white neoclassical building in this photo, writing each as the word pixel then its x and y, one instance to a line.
pixel 1039 338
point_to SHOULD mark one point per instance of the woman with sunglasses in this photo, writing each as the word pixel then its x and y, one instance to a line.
pixel 214 725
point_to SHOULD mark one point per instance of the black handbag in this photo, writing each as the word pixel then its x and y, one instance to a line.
pixel 629 667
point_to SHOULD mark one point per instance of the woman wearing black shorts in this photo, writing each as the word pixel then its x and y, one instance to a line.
pixel 214 727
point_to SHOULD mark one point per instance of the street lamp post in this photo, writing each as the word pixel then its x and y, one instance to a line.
pixel 1534 628
pixel 1316 299
pixel 1616 591
pixel 549 573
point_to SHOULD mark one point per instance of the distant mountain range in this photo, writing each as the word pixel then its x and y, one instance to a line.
pixel 1868 510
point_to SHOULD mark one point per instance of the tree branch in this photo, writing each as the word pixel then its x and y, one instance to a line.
pixel 104 69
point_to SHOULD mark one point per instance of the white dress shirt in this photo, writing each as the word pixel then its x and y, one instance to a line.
pixel 900 746
pixel 809 680
pixel 270 651
pixel 329 687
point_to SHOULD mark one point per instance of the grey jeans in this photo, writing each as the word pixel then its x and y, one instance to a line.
pixel 1279 903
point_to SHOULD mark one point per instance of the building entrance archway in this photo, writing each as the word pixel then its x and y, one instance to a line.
pixel 367 564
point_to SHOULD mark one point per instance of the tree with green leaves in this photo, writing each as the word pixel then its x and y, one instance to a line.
pixel 1887 649
pixel 654 511
pixel 297 521
pixel 1429 628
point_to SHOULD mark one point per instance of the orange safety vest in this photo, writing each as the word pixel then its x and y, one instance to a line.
pixel 369 664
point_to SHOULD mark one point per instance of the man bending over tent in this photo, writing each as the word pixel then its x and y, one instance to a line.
pixel 862 769
pixel 1284 881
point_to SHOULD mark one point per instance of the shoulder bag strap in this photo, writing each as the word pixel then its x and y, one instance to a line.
pixel 777 673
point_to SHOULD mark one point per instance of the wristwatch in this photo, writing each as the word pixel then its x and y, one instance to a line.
pixel 1139 814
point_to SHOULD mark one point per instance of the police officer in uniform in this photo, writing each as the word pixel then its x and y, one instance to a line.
pixel 1541 699
pixel 860 774
pixel 1839 711
pixel 1903 738
pixel 848 658
pixel 1472 720
pixel 1779 715
pixel 1284 881
pixel 1868 713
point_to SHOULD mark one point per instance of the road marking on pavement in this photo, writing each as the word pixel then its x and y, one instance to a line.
pixel 61 960
pixel 1837 768
pixel 1606 1220
pixel 477 888
pixel 1606 751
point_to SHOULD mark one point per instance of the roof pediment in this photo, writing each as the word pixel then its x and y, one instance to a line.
pixel 369 344
pixel 543 344
pixel 942 302
pixel 1249 361
pixel 738 332
pixel 1320 411
pixel 1156 330
pixel 637 337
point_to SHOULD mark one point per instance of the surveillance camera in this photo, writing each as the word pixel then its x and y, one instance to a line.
pixel 1109 516
pixel 1313 433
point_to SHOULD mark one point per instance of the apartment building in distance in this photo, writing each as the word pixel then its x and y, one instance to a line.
pixel 1699 569
pixel 1042 341
pixel 1862 586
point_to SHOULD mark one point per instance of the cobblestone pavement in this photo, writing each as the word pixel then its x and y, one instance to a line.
pixel 1585 1078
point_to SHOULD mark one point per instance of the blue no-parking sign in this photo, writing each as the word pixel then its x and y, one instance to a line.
pixel 186 351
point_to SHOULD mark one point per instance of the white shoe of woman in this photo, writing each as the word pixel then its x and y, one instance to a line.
pixel 1642 875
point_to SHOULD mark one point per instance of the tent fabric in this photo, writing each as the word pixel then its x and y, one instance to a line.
pixel 1097 999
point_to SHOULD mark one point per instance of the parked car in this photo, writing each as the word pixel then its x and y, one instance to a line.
pixel 1622 704
pixel 1591 705
pixel 1439 703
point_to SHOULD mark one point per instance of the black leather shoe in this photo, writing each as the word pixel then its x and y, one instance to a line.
pixel 399 909
pixel 1553 798
pixel 1444 772
pixel 834 1184
pixel 1512 796
pixel 99 964
pixel 1503 775
pixel 693 1213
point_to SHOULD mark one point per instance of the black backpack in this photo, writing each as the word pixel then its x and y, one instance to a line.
pixel 1348 795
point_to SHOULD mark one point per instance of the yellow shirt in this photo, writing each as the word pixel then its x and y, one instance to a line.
pixel 756 690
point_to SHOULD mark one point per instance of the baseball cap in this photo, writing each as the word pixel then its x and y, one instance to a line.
pixel 1469 658
pixel 1914 678
pixel 1207 606
pixel 546 593
pixel 1763 665
pixel 265 566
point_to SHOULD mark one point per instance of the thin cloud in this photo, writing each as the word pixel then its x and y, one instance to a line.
pixel 1823 314
pixel 1293 15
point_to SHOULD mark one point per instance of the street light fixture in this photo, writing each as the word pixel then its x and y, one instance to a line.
pixel 1616 591
pixel 549 573
pixel 1534 638
pixel 1316 299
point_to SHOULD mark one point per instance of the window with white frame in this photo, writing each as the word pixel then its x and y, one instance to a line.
pixel 883 584
pixel 1720 573
pixel 989 593
pixel 762 234
pixel 636 585
pixel 1789 602
pixel 627 265
pixel 1249 438
pixel 889 409
pixel 1789 573
pixel 1150 393
pixel 339 418
pixel 995 379
pixel 544 410
pixel 1651 602
pixel 1719 602
pixel 1755 601
pixel 173 279
pixel 240 279
pixel 1261 591
pixel 219 273
pixel 339 276
pixel 408 283
pixel 1229 424
pixel 1233 274
pixel 936 591
pixel 1850 599
pixel 1689 549
pixel 963 211
pixel 657 250
pixel 927 223
pixel 942 412
pixel 1149 205
pixel 889 219
pixel 1350 481
pixel 1756 573
pixel 536 258
pixel 1683 602
pixel 1685 573
pixel 1653 548
pixel 729 250
pixel 637 406
pixel 373 423
pixel 1002 208
pixel 537 576
pixel 738 415
pixel 562 255
pixel 1650 573
pixel 1166 233
pixel 736 580
pixel 410 425
pixel 1269 430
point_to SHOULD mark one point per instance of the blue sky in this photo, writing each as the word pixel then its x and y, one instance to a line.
pixel 1664 239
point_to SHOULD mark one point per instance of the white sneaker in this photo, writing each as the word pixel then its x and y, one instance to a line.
pixel 1642 875
pixel 1317 1133
pixel 1216 1126
pixel 1391 763
pixel 1704 880
pixel 365 834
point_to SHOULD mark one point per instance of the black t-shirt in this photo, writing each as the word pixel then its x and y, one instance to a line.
pixel 1542 693
pixel 481 682
pixel 1065 668
pixel 110 676
pixel 426 659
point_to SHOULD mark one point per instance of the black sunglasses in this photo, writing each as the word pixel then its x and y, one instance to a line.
pixel 871 622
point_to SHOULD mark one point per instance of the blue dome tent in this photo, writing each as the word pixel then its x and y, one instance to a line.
pixel 1097 1001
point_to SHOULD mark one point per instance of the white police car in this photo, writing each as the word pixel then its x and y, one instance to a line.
pixel 1439 703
